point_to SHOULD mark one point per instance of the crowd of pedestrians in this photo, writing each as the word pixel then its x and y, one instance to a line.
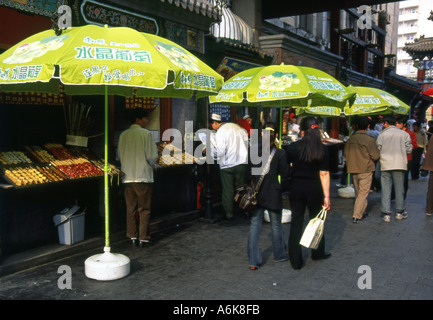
pixel 387 147
pixel 402 153
pixel 379 156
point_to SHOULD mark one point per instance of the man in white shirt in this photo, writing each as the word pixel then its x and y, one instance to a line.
pixel 231 153
pixel 138 154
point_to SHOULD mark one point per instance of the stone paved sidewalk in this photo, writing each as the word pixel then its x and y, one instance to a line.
pixel 203 261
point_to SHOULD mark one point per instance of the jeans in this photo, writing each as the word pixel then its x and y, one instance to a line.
pixel 388 180
pixel 278 244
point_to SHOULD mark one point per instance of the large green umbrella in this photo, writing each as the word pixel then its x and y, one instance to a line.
pixel 283 86
pixel 369 101
pixel 123 59
pixel 373 101
pixel 94 60
pixel 325 111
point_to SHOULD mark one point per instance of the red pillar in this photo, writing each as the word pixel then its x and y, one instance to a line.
pixel 165 115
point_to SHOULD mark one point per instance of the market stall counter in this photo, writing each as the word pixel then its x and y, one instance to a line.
pixel 176 177
pixel 40 181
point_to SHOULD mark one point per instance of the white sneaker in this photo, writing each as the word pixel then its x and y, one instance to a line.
pixel 387 218
pixel 401 216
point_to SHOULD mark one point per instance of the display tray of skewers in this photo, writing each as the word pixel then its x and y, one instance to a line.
pixel 50 163
pixel 27 175
pixel 327 140
pixel 173 156
pixel 331 141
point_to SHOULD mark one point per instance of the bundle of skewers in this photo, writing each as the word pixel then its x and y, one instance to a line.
pixel 77 119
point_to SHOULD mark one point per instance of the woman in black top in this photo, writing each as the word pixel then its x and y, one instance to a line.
pixel 269 198
pixel 309 186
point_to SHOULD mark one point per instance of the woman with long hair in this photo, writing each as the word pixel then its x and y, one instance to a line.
pixel 309 186
pixel 269 198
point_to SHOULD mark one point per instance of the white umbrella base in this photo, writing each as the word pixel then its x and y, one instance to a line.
pixel 107 266
pixel 347 192
pixel 286 216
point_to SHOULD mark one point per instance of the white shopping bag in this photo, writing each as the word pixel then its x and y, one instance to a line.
pixel 314 231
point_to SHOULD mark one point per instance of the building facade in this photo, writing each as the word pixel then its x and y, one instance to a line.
pixel 412 24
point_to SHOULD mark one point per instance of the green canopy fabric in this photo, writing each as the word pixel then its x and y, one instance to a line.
pixel 126 61
pixel 373 101
pixel 283 85
pixel 369 101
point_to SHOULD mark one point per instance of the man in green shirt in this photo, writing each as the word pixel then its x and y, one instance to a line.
pixel 361 152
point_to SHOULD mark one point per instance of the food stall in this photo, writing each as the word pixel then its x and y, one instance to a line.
pixel 38 182
pixel 288 137
pixel 45 167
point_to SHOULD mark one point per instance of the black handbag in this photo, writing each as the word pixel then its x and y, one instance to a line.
pixel 246 196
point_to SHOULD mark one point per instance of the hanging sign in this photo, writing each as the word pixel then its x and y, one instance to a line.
pixel 103 14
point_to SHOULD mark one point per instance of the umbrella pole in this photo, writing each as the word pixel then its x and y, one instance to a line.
pixel 349 192
pixel 106 170
pixel 281 124
pixel 107 266
pixel 280 131
pixel 350 134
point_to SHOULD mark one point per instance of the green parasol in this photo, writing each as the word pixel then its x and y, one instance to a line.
pixel 283 86
pixel 369 101
pixel 373 101
pixel 94 60
pixel 128 62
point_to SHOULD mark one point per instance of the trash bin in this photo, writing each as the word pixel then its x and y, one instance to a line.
pixel 70 225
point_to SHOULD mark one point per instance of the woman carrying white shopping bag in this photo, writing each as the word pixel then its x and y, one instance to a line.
pixel 309 187
pixel 314 230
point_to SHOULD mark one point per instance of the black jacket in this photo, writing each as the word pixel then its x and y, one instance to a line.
pixel 269 195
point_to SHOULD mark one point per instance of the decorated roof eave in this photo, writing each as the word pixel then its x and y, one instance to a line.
pixel 237 45
pixel 420 48
pixel 201 7
pixel 400 81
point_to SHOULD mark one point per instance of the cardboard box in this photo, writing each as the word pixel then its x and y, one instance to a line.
pixel 70 225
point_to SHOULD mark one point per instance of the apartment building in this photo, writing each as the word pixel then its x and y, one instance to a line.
pixel 412 24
